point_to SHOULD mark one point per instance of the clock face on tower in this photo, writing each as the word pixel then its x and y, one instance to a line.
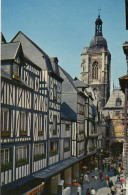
pixel 118 129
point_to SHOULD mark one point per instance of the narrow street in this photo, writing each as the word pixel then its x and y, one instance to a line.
pixel 98 185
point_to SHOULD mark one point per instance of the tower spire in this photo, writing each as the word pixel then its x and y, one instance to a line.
pixel 99 11
pixel 98 26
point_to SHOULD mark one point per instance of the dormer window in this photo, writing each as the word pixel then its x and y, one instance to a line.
pixel 16 71
pixel 118 102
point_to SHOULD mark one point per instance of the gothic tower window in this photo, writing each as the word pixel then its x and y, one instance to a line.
pixel 95 70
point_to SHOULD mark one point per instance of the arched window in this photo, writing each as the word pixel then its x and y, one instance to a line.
pixel 95 70
pixel 118 102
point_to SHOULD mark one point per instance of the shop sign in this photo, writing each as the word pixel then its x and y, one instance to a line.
pixel 36 191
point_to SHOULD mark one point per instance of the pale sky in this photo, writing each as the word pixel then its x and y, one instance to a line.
pixel 62 28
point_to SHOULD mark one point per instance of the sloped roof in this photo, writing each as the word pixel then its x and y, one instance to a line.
pixel 117 93
pixel 124 77
pixel 79 83
pixel 3 40
pixel 9 50
pixel 33 52
pixel 67 112
pixel 67 79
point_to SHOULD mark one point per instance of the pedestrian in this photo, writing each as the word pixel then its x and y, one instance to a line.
pixel 110 184
pixel 79 190
pixel 108 167
pixel 87 192
pixel 81 182
pixel 115 171
pixel 100 173
pixel 93 192
pixel 113 189
pixel 106 179
pixel 102 167
pixel 119 170
pixel 96 177
pixel 86 178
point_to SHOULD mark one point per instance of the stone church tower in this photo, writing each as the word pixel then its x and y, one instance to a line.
pixel 96 65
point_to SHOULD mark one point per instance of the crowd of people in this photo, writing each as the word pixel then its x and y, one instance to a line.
pixel 109 164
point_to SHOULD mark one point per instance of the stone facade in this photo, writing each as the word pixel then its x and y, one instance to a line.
pixel 95 65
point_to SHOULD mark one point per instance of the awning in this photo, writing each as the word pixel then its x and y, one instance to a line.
pixel 58 167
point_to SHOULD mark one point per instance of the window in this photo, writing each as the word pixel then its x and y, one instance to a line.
pixel 66 145
pixel 5 119
pixel 23 121
pixel 21 155
pixel 95 70
pixel 5 156
pixel 80 109
pixel 31 82
pixel 117 113
pixel 39 151
pixel 118 102
pixel 23 128
pixel 54 125
pixel 5 122
pixel 67 127
pixel 16 70
pixel 40 124
pixel 53 148
pixel 6 160
pixel 55 93
pixel 21 152
pixel 39 148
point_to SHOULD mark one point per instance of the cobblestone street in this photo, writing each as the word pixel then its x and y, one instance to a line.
pixel 96 184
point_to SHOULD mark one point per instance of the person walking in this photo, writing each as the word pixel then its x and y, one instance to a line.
pixel 93 192
pixel 79 190
pixel 113 189
pixel 86 178
pixel 81 182
pixel 106 179
pixel 87 192
pixel 119 170
pixel 110 184
pixel 100 173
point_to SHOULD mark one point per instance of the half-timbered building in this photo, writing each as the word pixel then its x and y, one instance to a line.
pixel 47 120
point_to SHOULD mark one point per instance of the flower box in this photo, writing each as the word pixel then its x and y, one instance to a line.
pixel 22 161
pixel 41 132
pixel 39 156
pixel 5 133
pixel 6 166
pixel 53 152
pixel 16 77
pixel 54 131
pixel 23 133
